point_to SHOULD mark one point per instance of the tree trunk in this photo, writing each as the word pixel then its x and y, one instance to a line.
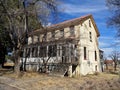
pixel 45 67
pixel 17 62
pixel 115 66
pixel 17 66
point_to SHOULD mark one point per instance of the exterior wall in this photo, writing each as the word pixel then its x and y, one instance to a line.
pixel 90 65
pixel 82 33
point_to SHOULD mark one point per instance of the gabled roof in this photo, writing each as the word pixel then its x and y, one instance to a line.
pixel 68 23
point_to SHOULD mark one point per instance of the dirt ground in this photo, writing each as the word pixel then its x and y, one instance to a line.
pixel 37 81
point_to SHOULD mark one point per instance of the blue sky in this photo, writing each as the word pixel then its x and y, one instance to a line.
pixel 75 8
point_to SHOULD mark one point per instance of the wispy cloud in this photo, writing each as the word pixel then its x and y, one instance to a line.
pixel 103 44
pixel 106 38
pixel 72 8
pixel 107 51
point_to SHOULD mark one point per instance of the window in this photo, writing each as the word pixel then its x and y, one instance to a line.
pixel 90 36
pixel 44 37
pixel 27 54
pixel 53 34
pixel 95 67
pixel 63 51
pixel 43 51
pixel 89 23
pixel 72 31
pixel 95 56
pixel 38 39
pixel 34 52
pixel 62 33
pixel 85 53
pixel 52 51
pixel 59 50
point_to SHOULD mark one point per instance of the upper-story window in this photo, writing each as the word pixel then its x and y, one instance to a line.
pixel 44 37
pixel 72 31
pixel 53 34
pixel 89 23
pixel 62 33
pixel 90 36
pixel 38 38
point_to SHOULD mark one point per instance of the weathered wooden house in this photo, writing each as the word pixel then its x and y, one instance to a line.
pixel 70 48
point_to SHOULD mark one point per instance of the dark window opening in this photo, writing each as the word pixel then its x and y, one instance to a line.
pixel 90 35
pixel 95 67
pixel 89 23
pixel 85 53
pixel 63 51
pixel 52 51
pixel 43 51
pixel 95 56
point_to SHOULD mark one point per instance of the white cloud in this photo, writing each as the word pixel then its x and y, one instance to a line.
pixel 72 8
pixel 108 44
pixel 103 44
pixel 106 38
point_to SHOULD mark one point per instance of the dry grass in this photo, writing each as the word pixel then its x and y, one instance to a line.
pixel 37 81
pixel 9 64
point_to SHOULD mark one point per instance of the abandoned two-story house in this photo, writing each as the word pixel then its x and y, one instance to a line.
pixel 70 47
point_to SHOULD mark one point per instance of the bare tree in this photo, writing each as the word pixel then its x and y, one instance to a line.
pixel 115 55
pixel 22 17
pixel 114 20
